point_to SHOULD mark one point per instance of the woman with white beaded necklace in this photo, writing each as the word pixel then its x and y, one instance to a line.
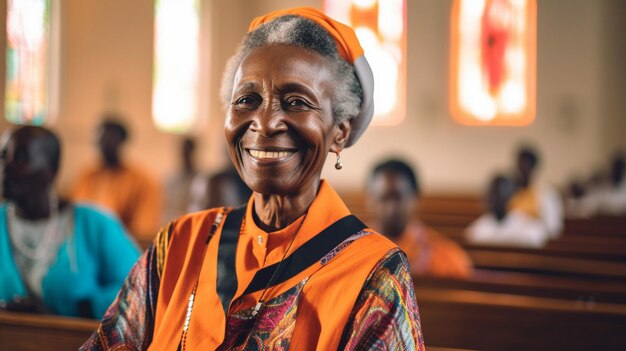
pixel 55 256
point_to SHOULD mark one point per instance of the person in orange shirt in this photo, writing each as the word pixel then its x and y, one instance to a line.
pixel 125 190
pixel 394 191
pixel 293 269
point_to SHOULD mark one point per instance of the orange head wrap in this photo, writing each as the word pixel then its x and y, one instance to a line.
pixel 349 49
pixel 347 43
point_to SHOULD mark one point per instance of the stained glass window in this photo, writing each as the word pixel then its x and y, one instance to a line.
pixel 492 62
pixel 381 28
pixel 176 57
pixel 28 86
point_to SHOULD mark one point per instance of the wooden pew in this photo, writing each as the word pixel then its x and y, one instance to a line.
pixel 467 204
pixel 586 291
pixel 597 226
pixel 461 209
pixel 490 321
pixel 605 248
pixel 590 251
pixel 538 263
pixel 28 332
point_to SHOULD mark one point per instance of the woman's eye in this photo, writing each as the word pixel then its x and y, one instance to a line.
pixel 247 103
pixel 246 100
pixel 296 103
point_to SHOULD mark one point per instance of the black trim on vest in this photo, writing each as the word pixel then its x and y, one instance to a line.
pixel 301 259
pixel 226 256
pixel 307 254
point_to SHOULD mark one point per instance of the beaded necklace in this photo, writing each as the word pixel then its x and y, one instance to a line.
pixel 48 236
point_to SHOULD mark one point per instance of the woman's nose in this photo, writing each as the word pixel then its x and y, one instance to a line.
pixel 269 120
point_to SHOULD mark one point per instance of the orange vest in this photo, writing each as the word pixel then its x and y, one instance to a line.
pixel 328 291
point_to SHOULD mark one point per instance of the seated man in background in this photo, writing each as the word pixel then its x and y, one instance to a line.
pixel 185 190
pixel 127 191
pixel 393 195
pixel 537 201
pixel 611 199
pixel 55 256
pixel 501 226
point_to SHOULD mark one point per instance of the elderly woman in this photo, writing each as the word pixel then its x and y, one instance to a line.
pixel 55 256
pixel 293 269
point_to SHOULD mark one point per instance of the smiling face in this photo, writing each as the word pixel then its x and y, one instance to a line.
pixel 279 126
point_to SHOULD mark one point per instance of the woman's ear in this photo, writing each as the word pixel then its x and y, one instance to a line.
pixel 342 132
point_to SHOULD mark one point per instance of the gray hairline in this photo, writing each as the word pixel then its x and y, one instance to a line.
pixel 347 94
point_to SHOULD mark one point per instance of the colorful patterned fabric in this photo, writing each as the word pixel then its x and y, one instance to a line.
pixel 385 316
pixel 270 329
pixel 128 323
pixel 360 298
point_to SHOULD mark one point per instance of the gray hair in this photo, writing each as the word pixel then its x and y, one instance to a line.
pixel 305 33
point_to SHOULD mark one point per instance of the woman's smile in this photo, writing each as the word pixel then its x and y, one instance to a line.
pixel 268 157
pixel 280 126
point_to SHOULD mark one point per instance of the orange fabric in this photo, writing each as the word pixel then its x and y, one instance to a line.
pixel 526 201
pixel 348 44
pixel 328 296
pixel 128 192
pixel 430 253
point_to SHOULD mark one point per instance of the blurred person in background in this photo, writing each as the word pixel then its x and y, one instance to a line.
pixel 577 200
pixel 226 188
pixel 536 200
pixel 394 192
pixel 185 191
pixel 502 225
pixel 56 256
pixel 606 190
pixel 612 199
pixel 120 187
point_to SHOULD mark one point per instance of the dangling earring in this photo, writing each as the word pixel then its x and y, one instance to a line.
pixel 338 164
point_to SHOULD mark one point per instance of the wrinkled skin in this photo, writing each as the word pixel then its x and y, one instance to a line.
pixel 281 111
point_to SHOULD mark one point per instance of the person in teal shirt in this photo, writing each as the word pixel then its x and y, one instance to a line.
pixel 56 256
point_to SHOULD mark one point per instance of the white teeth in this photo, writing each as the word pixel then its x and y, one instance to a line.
pixel 269 154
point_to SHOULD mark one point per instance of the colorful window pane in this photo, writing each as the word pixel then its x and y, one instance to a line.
pixel 28 56
pixel 176 57
pixel 492 62
pixel 381 28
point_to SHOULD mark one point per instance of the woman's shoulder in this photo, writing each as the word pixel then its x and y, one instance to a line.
pixel 377 241
pixel 363 249
pixel 199 216
pixel 188 226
